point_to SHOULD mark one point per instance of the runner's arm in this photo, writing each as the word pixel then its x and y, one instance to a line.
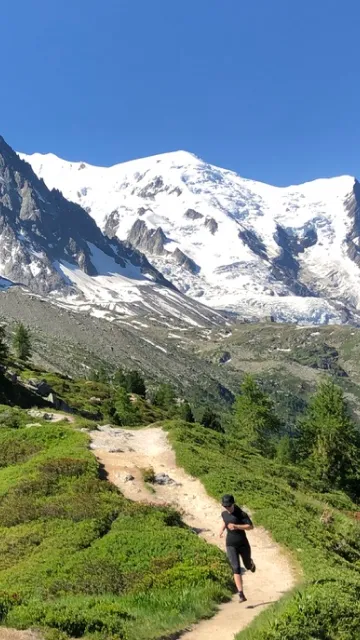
pixel 223 527
pixel 246 524
pixel 240 527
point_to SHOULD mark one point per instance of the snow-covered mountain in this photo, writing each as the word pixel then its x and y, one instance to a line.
pixel 232 243
pixel 57 251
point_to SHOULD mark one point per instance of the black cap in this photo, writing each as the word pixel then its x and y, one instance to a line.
pixel 227 500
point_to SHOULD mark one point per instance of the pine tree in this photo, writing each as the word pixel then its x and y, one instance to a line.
pixel 211 420
pixel 119 379
pixel 165 397
pixel 328 437
pixel 135 383
pixel 126 414
pixel 185 413
pixel 254 416
pixel 22 342
pixel 4 352
pixel 285 450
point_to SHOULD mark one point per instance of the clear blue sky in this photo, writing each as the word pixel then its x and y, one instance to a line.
pixel 269 88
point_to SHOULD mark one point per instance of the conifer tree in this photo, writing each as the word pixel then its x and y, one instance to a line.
pixel 211 420
pixel 286 450
pixel 4 352
pixel 135 383
pixel 165 397
pixel 119 379
pixel 328 437
pixel 125 412
pixel 255 418
pixel 22 342
pixel 185 412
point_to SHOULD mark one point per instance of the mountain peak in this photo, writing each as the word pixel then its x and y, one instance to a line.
pixel 291 252
pixel 54 248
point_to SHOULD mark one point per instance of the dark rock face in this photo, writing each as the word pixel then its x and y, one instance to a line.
pixel 286 267
pixel 142 211
pixel 256 245
pixel 225 357
pixel 39 228
pixel 191 214
pixel 184 261
pixel 152 189
pixel 149 240
pixel 153 241
pixel 112 224
pixel 176 190
pixel 211 225
pixel 41 387
pixel 352 206
pixel 286 260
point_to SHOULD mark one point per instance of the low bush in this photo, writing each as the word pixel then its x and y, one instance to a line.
pixel 148 475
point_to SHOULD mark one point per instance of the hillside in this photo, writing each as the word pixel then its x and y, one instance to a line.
pixel 205 364
pixel 120 580
pixel 232 243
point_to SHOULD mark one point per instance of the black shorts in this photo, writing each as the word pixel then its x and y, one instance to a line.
pixel 235 553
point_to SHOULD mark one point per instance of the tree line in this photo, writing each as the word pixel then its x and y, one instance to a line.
pixel 21 343
pixel 124 410
pixel 326 441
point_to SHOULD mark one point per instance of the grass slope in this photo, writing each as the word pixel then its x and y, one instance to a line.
pixel 315 528
pixel 76 557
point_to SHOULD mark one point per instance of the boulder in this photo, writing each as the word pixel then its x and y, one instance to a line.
pixel 35 413
pixel 125 477
pixel 40 386
pixel 163 478
pixel 225 357
pixel 13 377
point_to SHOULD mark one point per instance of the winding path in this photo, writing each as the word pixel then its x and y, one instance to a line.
pixel 11 634
pixel 124 453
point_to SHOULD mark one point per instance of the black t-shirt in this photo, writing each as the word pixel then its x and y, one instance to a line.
pixel 236 538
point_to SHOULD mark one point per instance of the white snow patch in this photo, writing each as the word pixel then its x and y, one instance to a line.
pixel 154 345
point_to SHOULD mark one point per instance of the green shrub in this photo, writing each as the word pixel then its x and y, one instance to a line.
pixel 63 467
pixel 10 418
pixel 75 616
pixel 148 475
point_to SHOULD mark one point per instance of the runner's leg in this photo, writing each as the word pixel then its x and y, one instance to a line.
pixel 233 556
pixel 245 553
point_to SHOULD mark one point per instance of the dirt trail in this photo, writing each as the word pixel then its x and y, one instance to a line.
pixel 11 634
pixel 58 417
pixel 124 453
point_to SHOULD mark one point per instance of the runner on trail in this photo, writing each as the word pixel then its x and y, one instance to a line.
pixel 237 522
